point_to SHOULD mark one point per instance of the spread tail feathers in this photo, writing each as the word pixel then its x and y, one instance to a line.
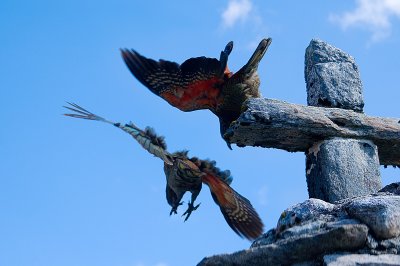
pixel 147 139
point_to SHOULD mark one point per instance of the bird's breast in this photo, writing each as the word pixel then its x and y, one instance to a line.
pixel 181 176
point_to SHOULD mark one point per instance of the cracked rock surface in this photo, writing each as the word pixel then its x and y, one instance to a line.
pixel 332 77
pixel 358 231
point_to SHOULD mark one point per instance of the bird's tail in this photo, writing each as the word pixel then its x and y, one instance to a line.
pixel 147 138
pixel 236 209
pixel 258 54
pixel 84 114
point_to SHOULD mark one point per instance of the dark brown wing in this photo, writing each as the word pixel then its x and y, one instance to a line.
pixel 191 86
pixel 252 65
pixel 210 167
pixel 236 209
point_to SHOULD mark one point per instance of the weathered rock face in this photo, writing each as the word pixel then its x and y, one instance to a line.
pixel 332 78
pixel 330 237
pixel 341 168
pixel 306 211
pixel 392 188
pixel 338 168
pixel 380 213
pixel 366 226
pixel 361 260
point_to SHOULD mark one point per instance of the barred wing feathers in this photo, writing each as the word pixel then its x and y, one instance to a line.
pixel 236 209
pixel 193 85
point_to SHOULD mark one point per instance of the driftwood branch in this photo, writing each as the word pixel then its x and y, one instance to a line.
pixel 292 127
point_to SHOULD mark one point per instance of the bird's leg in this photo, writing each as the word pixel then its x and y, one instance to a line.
pixel 223 126
pixel 191 206
pixel 175 208
pixel 189 210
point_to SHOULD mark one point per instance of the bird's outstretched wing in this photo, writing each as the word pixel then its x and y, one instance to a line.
pixel 210 167
pixel 147 138
pixel 193 85
pixel 236 209
pixel 252 64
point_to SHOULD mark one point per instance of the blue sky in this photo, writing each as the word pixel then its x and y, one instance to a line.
pixel 84 193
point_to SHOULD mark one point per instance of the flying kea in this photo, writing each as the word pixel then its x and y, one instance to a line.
pixel 186 174
pixel 201 82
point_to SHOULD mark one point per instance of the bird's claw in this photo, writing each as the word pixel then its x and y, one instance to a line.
pixel 189 210
pixel 173 211
pixel 229 145
pixel 175 208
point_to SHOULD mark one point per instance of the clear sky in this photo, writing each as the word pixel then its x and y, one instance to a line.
pixel 84 193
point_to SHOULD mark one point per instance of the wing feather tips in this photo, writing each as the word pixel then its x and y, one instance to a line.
pixel 244 218
pixel 140 67
pixel 238 212
pixel 157 76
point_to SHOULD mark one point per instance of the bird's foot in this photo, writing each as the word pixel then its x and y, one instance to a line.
pixel 189 210
pixel 229 145
pixel 175 208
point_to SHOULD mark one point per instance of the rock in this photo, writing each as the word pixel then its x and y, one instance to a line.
pixel 292 127
pixel 304 247
pixel 304 211
pixel 332 78
pixel 337 168
pixel 390 245
pixel 381 213
pixel 361 260
pixel 303 229
pixel 309 230
pixel 342 168
pixel 371 242
pixel 307 263
pixel 393 188
pixel 266 239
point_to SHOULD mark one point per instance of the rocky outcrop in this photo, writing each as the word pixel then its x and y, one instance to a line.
pixel 364 230
pixel 270 123
pixel 380 213
pixel 342 223
pixel 332 77
pixel 361 260
pixel 340 168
